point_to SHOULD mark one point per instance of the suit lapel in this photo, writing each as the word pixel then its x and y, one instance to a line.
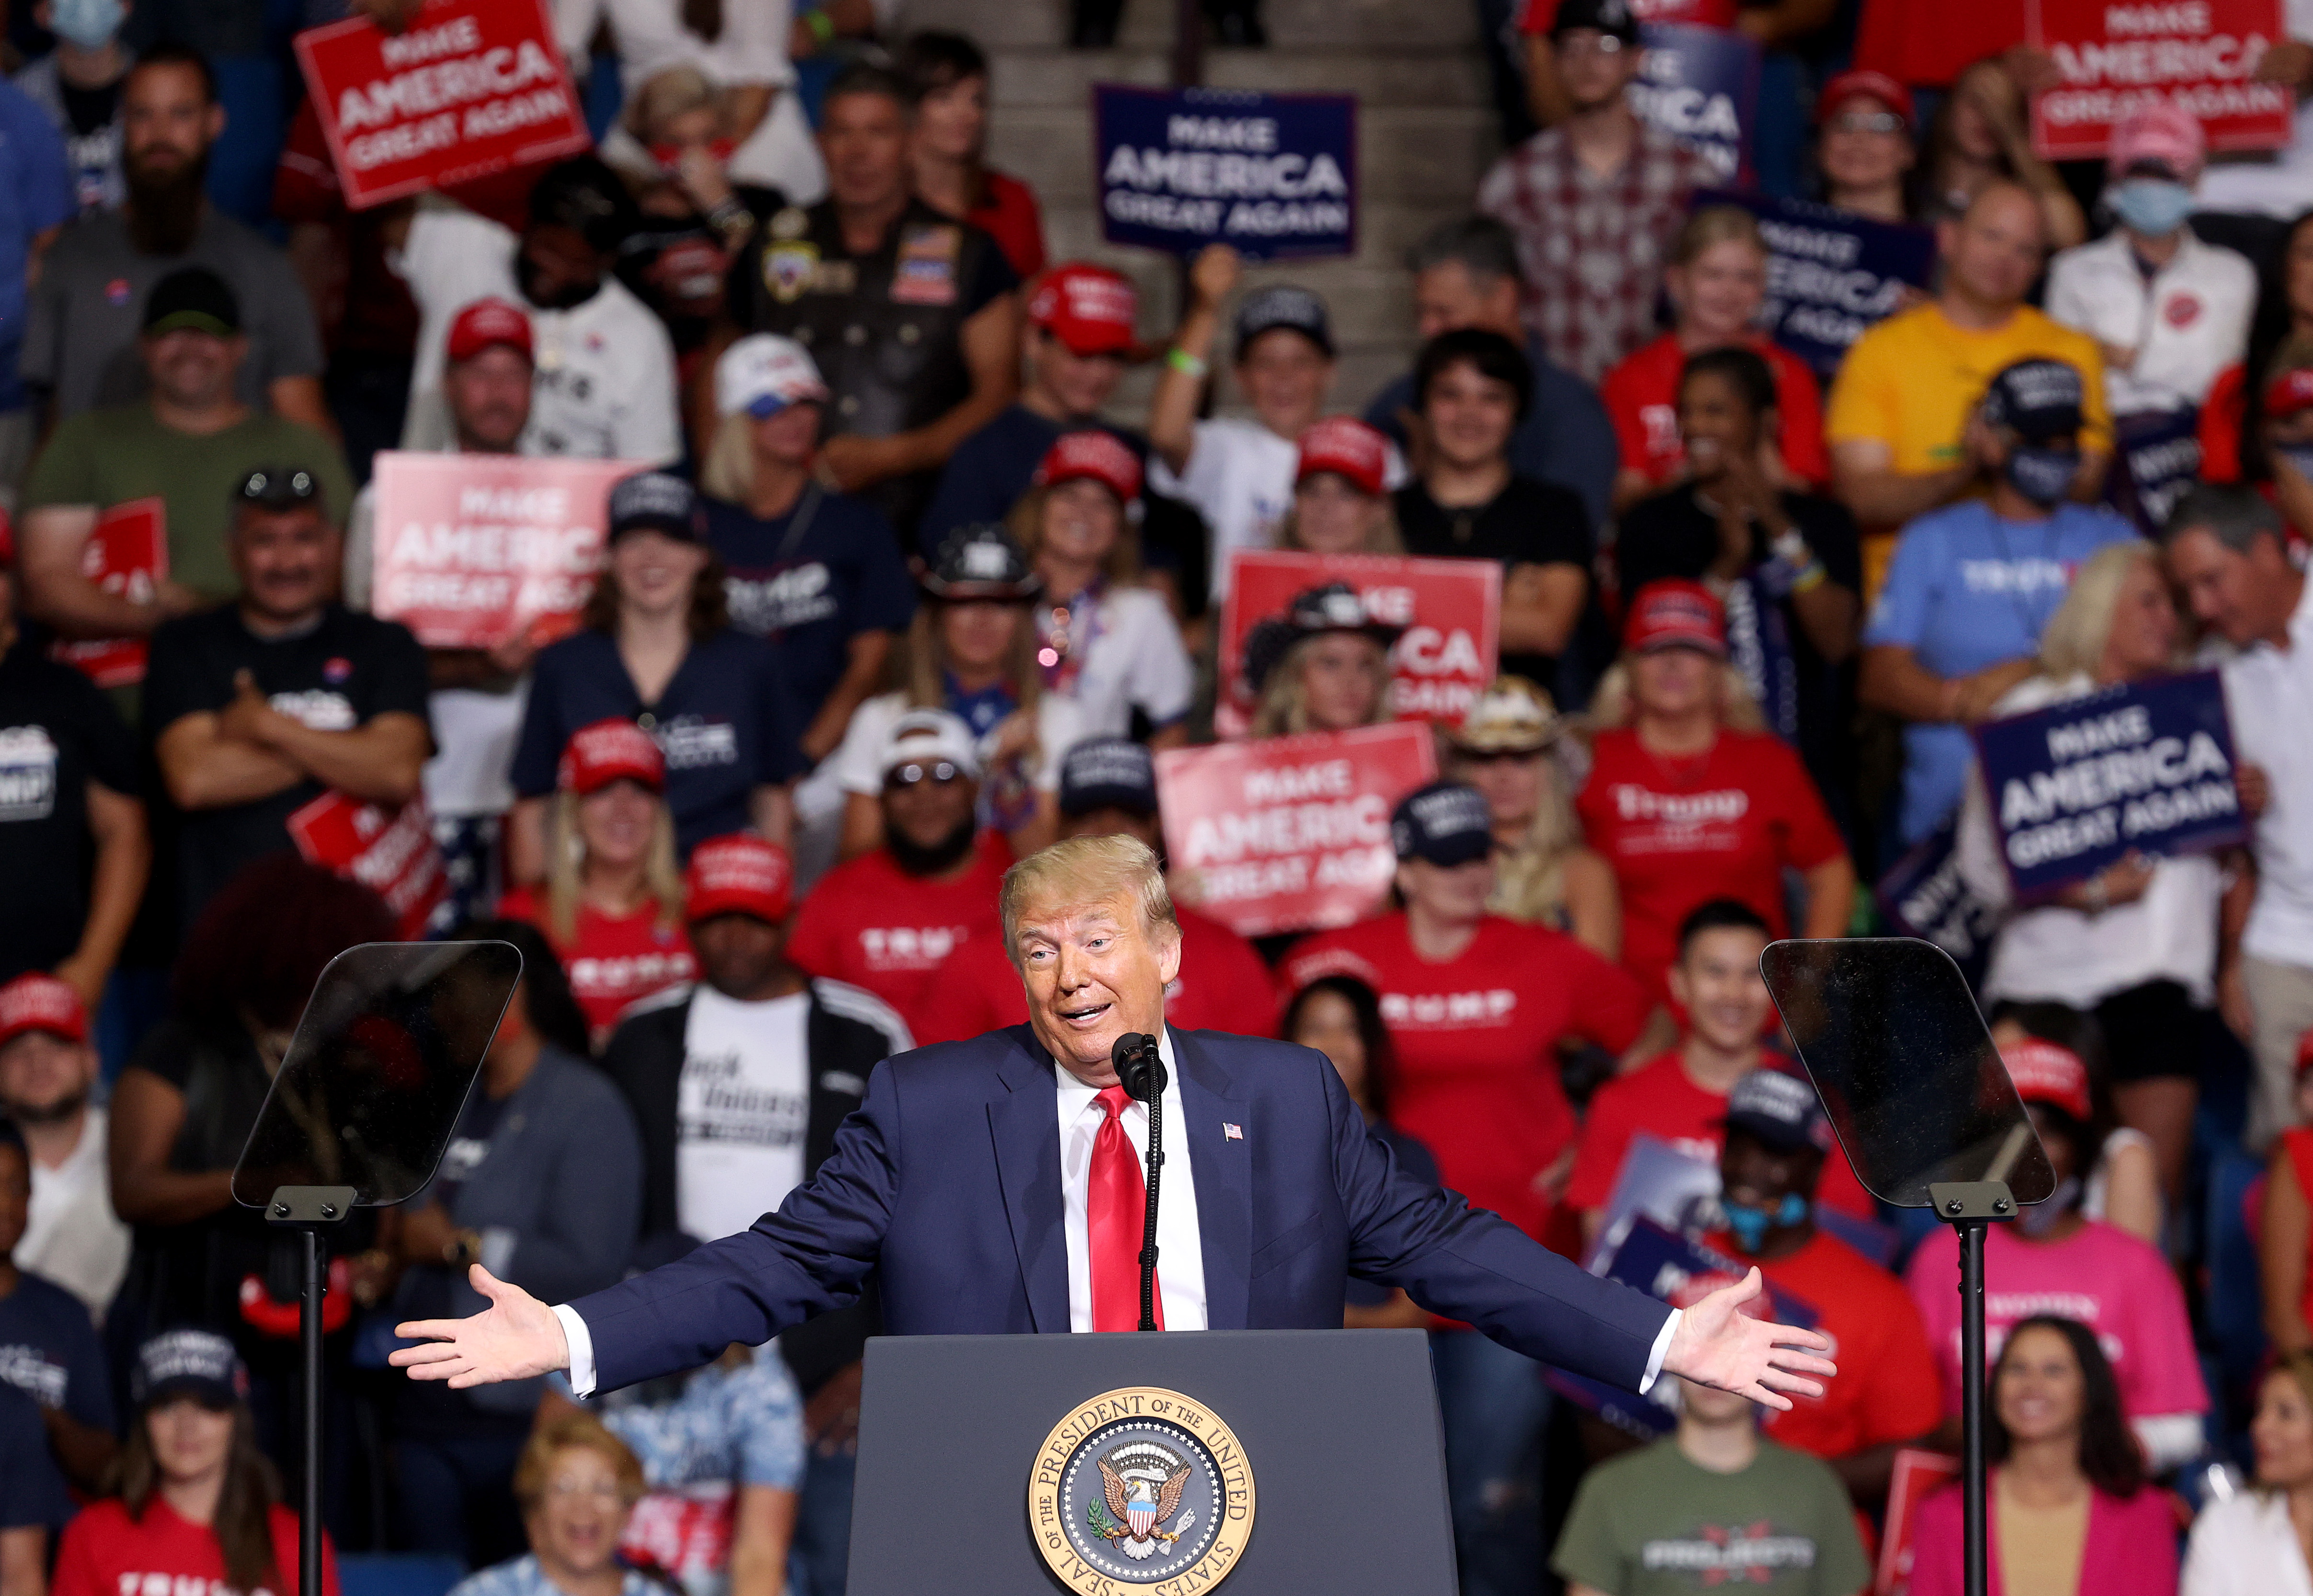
pixel 1222 1172
pixel 1025 1126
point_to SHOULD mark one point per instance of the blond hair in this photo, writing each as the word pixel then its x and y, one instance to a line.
pixel 1717 224
pixel 1613 705
pixel 1530 876
pixel 1088 870
pixel 2072 643
pixel 1026 525
pixel 1383 539
pixel 665 95
pixel 574 1432
pixel 1284 709
pixel 727 470
pixel 566 868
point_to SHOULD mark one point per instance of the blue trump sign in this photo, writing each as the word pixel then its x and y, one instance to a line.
pixel 2144 768
pixel 1701 85
pixel 1273 176
pixel 1831 274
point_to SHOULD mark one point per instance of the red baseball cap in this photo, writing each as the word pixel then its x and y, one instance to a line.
pixel 7 541
pixel 1095 456
pixel 2289 393
pixel 610 751
pixel 1864 84
pixel 1090 308
pixel 37 1002
pixel 739 875
pixel 2045 1072
pixel 486 324
pixel 1348 448
pixel 2305 1052
pixel 1672 614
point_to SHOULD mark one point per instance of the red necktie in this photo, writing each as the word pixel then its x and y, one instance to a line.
pixel 1115 1202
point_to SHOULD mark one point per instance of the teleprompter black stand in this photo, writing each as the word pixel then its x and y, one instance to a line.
pixel 1890 1035
pixel 359 1116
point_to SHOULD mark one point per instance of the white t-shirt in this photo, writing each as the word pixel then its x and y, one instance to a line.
pixel 2186 325
pixel 1240 478
pixel 604 387
pixel 2269 695
pixel 858 759
pixel 741 1110
pixel 2277 185
pixel 1134 660
pixel 71 1235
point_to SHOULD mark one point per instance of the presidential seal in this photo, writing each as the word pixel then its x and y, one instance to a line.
pixel 1140 1487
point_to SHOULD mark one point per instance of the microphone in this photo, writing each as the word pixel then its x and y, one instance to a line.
pixel 1142 1074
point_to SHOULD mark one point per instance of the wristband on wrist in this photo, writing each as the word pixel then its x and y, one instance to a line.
pixel 1812 576
pixel 1186 363
pixel 821 24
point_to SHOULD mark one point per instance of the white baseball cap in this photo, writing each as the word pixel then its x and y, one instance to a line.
pixel 927 736
pixel 762 374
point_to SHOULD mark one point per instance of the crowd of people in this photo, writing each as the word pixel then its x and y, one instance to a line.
pixel 897 590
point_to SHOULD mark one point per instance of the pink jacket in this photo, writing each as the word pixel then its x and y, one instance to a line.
pixel 2131 1548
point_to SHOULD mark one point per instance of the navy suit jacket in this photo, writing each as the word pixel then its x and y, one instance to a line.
pixel 947 1181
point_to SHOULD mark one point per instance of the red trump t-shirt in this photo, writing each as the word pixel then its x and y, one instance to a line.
pixel 614 960
pixel 104 1552
pixel 1641 400
pixel 871 924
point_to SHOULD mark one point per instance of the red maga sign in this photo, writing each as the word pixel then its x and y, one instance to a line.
pixel 1917 1473
pixel 471 87
pixel 1290 833
pixel 128 556
pixel 1451 611
pixel 391 852
pixel 473 550
pixel 2114 55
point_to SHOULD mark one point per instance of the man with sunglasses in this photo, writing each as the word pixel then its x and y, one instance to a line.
pixel 257 708
pixel 892 919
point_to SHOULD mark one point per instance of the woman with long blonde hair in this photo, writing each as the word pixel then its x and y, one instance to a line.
pixel 1322 666
pixel 1512 747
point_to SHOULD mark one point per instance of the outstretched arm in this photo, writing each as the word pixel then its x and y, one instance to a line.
pixel 1717 1344
pixel 515 1337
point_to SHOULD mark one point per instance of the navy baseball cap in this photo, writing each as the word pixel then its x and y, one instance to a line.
pixel 1108 772
pixel 1445 823
pixel 2039 401
pixel 658 502
pixel 1611 17
pixel 1266 309
pixel 197 1363
pixel 1781 1109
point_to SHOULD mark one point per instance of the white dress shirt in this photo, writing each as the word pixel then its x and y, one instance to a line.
pixel 2246 1546
pixel 2269 694
pixel 1180 1247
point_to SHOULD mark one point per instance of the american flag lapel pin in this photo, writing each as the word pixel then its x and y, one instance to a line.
pixel 1232 1133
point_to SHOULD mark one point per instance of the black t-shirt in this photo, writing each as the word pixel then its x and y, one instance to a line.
pixel 679 267
pixel 343 674
pixel 89 110
pixel 58 734
pixel 1530 522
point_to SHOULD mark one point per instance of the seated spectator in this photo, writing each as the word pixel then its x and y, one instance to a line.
pixel 1467 275
pixel 890 918
pixel 197 1501
pixel 1973 586
pixel 1902 417
pixel 1595 201
pixel 2247 1543
pixel 612 903
pixel 1341 1017
pixel 1787 563
pixel 2122 1289
pixel 1322 666
pixel 75 869
pixel 2069 1510
pixel 1864 149
pixel 36 1498
pixel 47 1068
pixel 2284 1234
pixel 911 314
pixel 2135 943
pixel 2123 1185
pixel 1108 784
pixel 190 443
pixel 949 74
pixel 1699 1500
pixel 1340 505
pixel 1467 501
pixel 814 573
pixel 972 652
pixel 576 1484
pixel 1777 1143
pixel 1108 639
pixel 2167 311
pixel 2228 552
pixel 1717 282
pixel 1981 136
pixel 182 1109
pixel 81 327
pixel 78 84
pixel 655 646
pixel 605 384
pixel 1689 800
pixel 541 1185
pixel 49 1346
pixel 1511 748
pixel 2234 413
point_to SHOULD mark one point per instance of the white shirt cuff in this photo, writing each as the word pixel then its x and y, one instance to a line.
pixel 1654 1359
pixel 582 1351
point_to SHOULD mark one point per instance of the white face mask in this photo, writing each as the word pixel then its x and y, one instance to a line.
pixel 88 24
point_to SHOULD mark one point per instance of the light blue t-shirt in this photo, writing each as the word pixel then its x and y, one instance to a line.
pixel 1966 590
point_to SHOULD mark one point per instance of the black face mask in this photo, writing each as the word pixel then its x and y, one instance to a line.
pixel 915 859
pixel 569 297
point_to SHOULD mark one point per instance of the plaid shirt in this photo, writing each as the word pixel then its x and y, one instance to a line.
pixel 1593 248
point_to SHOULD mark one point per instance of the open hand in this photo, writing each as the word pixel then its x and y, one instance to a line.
pixel 516 1337
pixel 1718 1345
pixel 1213 276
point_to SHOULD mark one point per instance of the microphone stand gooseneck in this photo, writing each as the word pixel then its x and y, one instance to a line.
pixel 1143 1076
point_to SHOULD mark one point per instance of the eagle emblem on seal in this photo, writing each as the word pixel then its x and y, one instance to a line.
pixel 1142 1483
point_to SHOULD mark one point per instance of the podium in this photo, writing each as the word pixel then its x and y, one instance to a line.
pixel 1275 1461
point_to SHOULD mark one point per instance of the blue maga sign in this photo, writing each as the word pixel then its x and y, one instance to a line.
pixel 1701 85
pixel 1831 274
pixel 1273 176
pixel 2146 768
pixel 1926 896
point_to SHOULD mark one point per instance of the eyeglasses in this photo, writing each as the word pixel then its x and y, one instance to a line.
pixel 1497 756
pixel 1866 121
pixel 1579 44
pixel 941 772
pixel 272 485
pixel 600 1490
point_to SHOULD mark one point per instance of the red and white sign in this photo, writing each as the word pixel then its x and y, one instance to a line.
pixel 471 87
pixel 128 556
pixel 2114 54
pixel 473 550
pixel 1290 833
pixel 1917 1474
pixel 1451 611
pixel 391 852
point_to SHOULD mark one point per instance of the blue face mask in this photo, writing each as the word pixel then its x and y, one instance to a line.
pixel 2299 455
pixel 1751 1224
pixel 88 24
pixel 2152 206
pixel 2041 474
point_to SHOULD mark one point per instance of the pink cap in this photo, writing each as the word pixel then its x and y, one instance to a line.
pixel 610 751
pixel 486 324
pixel 1090 308
pixel 2047 1073
pixel 2163 133
pixel 37 1002
pixel 1673 614
pixel 1092 455
pixel 1348 448
pixel 739 875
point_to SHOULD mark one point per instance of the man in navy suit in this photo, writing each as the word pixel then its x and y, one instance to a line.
pixel 996 1186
